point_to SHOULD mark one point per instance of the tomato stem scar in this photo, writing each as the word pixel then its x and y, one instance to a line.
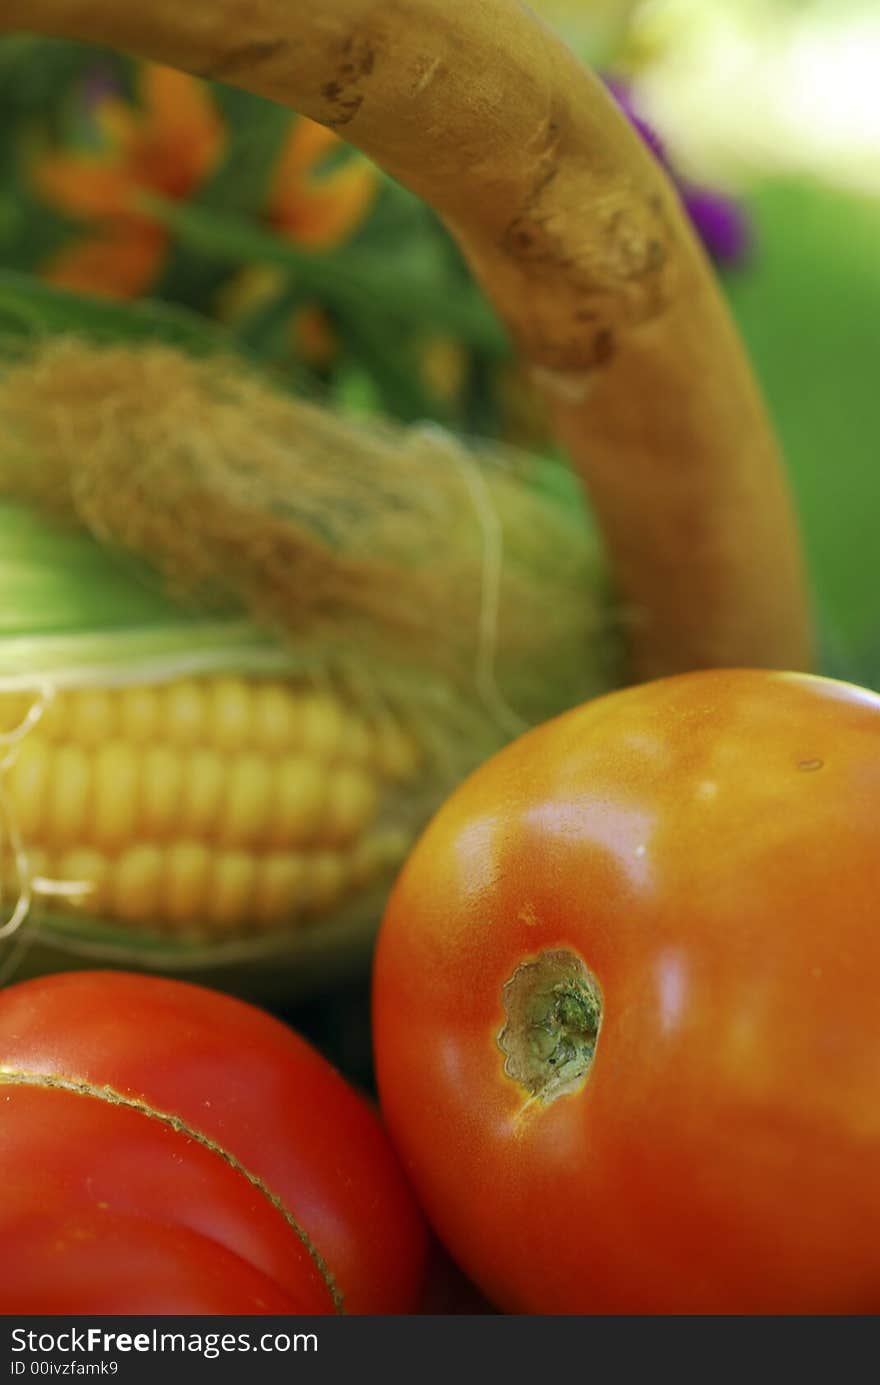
pixel 554 1012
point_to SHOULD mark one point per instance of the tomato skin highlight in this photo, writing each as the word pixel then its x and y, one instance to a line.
pixel 97 1069
pixel 709 847
pixel 62 1149
pixel 94 1262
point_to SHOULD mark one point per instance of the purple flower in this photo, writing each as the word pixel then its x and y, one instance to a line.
pixel 624 98
pixel 720 221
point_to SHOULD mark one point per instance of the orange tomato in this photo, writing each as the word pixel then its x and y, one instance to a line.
pixel 166 1149
pixel 627 1005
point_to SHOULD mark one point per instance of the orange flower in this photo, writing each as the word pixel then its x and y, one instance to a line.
pixel 314 209
pixel 318 210
pixel 166 146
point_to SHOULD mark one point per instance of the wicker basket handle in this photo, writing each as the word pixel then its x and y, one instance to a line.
pixel 579 239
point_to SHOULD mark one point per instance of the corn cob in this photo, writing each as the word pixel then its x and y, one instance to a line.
pixel 245 649
pixel 204 808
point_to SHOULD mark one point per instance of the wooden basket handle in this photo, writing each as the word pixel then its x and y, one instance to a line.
pixel 579 239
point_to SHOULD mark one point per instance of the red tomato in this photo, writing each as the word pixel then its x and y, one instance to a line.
pixel 166 1149
pixel 627 1005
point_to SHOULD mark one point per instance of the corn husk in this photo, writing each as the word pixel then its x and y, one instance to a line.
pixel 163 515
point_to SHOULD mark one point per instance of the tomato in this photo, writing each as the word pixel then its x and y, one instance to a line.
pixel 167 1149
pixel 627 1005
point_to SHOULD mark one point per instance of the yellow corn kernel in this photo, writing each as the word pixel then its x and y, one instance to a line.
pixel 139 713
pixel 17 870
pixel 229 714
pixel 114 815
pixel 14 708
pixel 28 787
pixel 68 795
pixel 36 863
pixel 136 884
pixel 298 802
pixel 275 709
pixel 280 887
pixel 186 883
pixel 326 879
pixel 183 713
pixel 87 868
pixel 232 889
pixel 204 775
pixel 161 791
pixel 351 804
pixel 54 722
pixel 247 800
pixel 321 725
pixel 93 719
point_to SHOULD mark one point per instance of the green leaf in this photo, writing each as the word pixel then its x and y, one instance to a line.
pixel 71 608
pixel 55 579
